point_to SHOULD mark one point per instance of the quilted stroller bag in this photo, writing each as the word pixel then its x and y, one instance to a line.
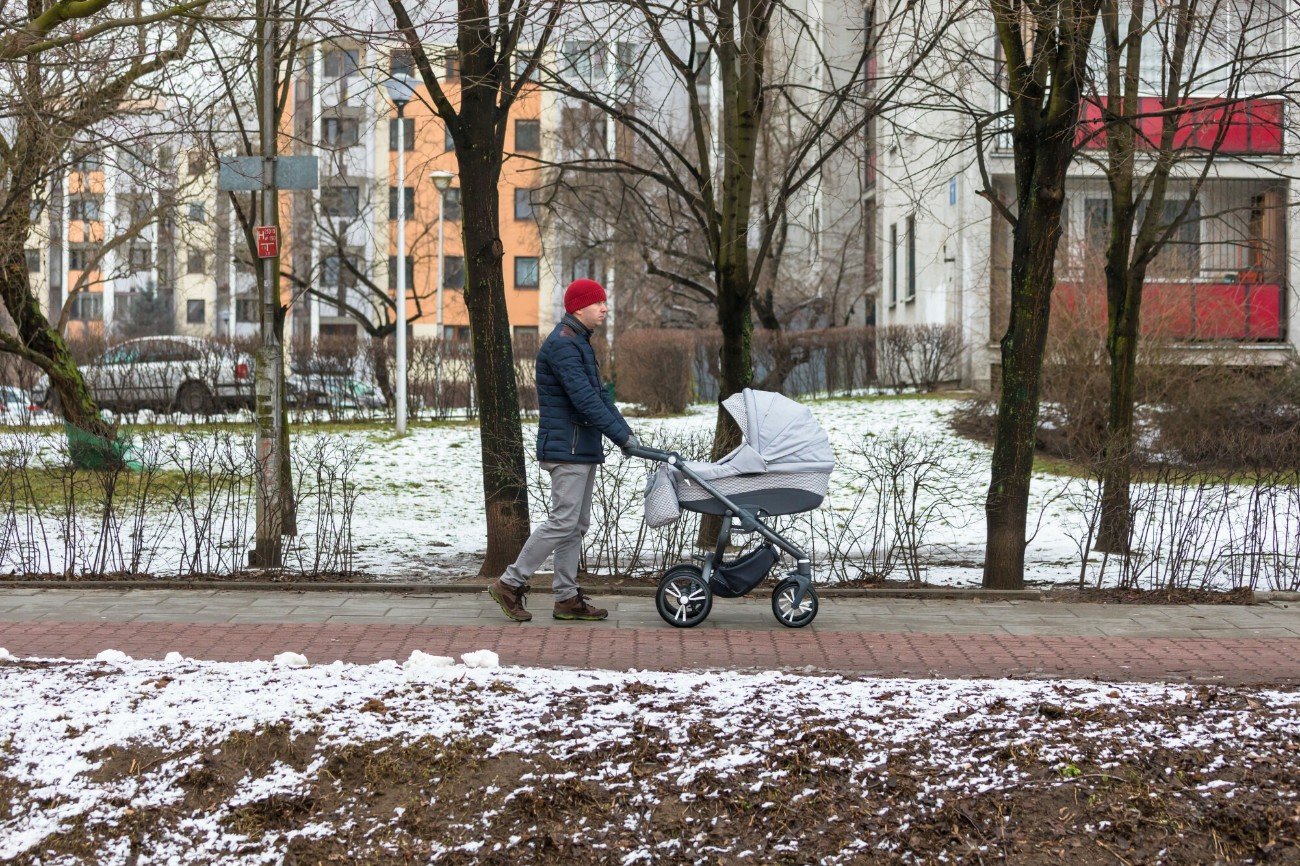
pixel 661 505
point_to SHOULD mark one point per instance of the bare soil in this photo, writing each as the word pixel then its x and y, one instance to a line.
pixel 398 802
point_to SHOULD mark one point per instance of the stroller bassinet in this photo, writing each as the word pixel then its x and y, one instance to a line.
pixel 782 466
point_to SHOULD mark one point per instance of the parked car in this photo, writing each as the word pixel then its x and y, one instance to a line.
pixel 186 374
pixel 345 392
pixel 20 406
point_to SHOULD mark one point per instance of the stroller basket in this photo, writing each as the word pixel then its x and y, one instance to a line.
pixel 735 578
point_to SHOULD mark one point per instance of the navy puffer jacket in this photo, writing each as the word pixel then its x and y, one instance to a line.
pixel 574 407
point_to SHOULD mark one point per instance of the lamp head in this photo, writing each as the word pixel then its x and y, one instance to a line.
pixel 441 179
pixel 401 90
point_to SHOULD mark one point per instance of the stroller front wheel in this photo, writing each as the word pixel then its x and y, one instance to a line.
pixel 784 608
pixel 684 598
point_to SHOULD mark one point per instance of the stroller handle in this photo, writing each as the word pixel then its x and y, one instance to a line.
pixel 655 454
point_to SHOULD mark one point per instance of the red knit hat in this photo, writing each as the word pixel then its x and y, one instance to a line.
pixel 582 293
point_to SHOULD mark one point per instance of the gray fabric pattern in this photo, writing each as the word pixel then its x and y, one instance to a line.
pixel 813 482
pixel 561 533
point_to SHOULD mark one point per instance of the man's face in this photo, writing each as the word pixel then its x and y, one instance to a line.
pixel 593 315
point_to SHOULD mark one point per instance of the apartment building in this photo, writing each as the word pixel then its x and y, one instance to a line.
pixel 185 268
pixel 1224 286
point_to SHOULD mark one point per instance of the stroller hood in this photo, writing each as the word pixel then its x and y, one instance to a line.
pixel 780 435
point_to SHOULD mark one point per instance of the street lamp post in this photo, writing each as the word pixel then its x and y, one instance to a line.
pixel 441 181
pixel 401 91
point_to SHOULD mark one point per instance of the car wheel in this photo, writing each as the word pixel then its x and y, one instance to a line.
pixel 194 398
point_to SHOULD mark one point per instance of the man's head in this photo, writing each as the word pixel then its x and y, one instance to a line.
pixel 585 300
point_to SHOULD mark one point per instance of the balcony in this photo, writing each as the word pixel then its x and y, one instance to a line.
pixel 1244 311
pixel 1247 126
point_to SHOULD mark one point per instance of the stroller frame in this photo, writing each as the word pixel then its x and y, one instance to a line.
pixel 796 587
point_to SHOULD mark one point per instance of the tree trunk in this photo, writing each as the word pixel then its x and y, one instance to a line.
pixel 505 488
pixel 1116 528
pixel 1007 505
pixel 40 342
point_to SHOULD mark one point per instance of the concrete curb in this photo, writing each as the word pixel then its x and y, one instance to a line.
pixel 633 590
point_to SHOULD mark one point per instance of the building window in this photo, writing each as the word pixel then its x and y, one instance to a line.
pixel 584 60
pixel 448 142
pixel 528 332
pixel 451 62
pixel 401 62
pixel 194 262
pixel 340 201
pixel 408 133
pixel 453 272
pixel 625 63
pixel 84 207
pixel 81 256
pixel 911 258
pixel 392 202
pixel 703 71
pixel 87 307
pixel 459 333
pixel 524 205
pixel 33 261
pixel 1180 257
pixel 451 203
pixel 196 163
pixel 141 260
pixel 196 212
pixel 528 135
pixel 392 272
pixel 339 131
pixel 527 272
pixel 87 161
pixel 246 310
pixel 893 263
pixel 339 63
pixel 340 271
pixel 195 311
pixel 583 269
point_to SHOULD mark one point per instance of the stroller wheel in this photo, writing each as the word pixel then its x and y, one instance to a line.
pixel 684 598
pixel 784 609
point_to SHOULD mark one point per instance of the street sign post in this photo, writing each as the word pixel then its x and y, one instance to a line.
pixel 245 173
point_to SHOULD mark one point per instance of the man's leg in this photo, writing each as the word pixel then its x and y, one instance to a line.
pixel 569 600
pixel 569 550
pixel 568 481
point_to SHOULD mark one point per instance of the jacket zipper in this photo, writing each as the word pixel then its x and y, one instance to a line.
pixel 573 441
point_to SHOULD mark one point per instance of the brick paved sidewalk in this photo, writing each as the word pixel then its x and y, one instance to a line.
pixel 1232 645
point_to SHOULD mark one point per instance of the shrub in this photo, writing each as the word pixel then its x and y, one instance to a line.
pixel 653 368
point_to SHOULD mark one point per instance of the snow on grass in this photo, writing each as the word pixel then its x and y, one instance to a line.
pixel 419 512
pixel 188 761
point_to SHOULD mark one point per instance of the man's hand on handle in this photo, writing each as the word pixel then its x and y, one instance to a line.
pixel 630 443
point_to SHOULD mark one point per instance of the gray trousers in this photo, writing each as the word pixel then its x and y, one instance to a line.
pixel 561 534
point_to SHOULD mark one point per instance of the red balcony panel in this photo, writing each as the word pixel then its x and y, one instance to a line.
pixel 1220 311
pixel 1189 311
pixel 1247 125
pixel 1167 310
pixel 1265 322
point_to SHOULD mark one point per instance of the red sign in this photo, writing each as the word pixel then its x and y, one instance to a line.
pixel 268 242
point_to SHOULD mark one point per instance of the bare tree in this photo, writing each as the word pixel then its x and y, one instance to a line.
pixel 68 66
pixel 715 202
pixel 490 49
pixel 1206 63
pixel 1044 45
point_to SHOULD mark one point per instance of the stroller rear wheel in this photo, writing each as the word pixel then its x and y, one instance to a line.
pixel 684 598
pixel 784 608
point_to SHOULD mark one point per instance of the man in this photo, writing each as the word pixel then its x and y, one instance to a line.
pixel 575 411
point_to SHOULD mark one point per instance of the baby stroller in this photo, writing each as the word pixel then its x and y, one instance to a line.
pixel 783 466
